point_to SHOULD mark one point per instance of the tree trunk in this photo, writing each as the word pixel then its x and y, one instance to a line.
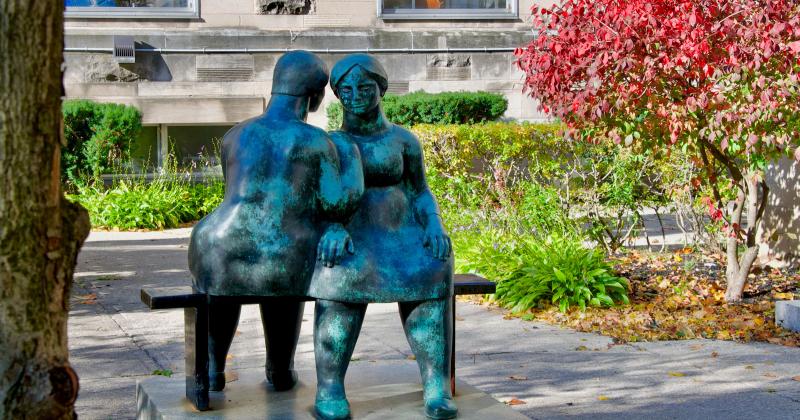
pixel 40 232
pixel 739 268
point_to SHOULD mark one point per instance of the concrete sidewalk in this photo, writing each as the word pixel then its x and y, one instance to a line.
pixel 114 340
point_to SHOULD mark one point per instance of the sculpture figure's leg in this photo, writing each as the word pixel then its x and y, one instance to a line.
pixel 429 329
pixel 336 329
pixel 281 318
pixel 223 319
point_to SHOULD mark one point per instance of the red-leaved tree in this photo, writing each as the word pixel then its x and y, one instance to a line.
pixel 717 78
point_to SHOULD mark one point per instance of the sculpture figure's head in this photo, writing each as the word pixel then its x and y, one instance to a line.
pixel 359 81
pixel 301 73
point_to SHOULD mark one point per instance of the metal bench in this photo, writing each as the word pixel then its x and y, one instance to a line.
pixel 195 306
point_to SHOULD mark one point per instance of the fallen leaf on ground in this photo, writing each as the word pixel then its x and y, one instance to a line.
pixel 581 348
pixel 518 378
pixel 515 401
pixel 602 398
pixel 676 374
pixel 714 354
pixel 411 357
pixel 796 378
pixel 770 375
pixel 749 367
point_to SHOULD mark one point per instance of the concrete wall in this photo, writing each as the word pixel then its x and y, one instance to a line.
pixel 172 88
pixel 244 14
pixel 781 233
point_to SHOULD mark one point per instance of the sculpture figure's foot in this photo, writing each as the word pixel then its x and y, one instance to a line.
pixel 332 409
pixel 282 380
pixel 440 408
pixel 216 381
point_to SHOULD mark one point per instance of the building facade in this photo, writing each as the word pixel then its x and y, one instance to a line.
pixel 196 67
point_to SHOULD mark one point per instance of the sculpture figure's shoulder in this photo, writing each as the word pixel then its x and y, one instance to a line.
pixel 235 135
pixel 313 140
pixel 409 140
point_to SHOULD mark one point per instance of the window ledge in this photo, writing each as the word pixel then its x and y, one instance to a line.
pixel 448 16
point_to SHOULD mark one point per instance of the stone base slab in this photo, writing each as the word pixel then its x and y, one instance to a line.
pixel 375 390
pixel 787 314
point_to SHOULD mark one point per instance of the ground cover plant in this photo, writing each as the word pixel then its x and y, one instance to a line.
pixel 715 79
pixel 164 203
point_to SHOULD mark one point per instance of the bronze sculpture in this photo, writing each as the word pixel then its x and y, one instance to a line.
pixel 402 251
pixel 345 218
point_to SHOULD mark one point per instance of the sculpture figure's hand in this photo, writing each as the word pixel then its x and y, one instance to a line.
pixel 437 241
pixel 333 245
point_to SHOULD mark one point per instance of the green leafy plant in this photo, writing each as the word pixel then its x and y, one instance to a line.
pixel 166 202
pixel 530 270
pixel 433 108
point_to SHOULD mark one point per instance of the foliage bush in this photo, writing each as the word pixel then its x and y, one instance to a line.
pixel 164 203
pixel 716 80
pixel 97 136
pixel 605 187
pixel 433 108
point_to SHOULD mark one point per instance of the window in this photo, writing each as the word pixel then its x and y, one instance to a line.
pixel 163 9
pixel 448 9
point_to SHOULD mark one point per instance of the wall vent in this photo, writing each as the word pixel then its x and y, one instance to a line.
pixel 397 88
pixel 224 68
pixel 124 49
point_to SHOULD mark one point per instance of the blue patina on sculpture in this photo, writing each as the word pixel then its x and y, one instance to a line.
pixel 286 186
pixel 402 252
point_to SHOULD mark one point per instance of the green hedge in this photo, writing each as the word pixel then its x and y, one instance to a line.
pixel 433 108
pixel 97 137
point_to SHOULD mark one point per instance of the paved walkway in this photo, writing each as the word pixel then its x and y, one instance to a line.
pixel 114 340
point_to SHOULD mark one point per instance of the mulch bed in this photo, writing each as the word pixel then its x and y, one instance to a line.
pixel 680 295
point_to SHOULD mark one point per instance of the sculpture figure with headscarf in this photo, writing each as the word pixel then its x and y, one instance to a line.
pixel 402 252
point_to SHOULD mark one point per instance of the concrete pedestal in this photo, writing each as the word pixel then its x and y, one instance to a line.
pixel 787 314
pixel 375 390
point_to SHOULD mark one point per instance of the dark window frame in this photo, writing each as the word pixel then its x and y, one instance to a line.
pixel 449 14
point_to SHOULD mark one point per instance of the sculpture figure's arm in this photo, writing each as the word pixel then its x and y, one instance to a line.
pixel 425 207
pixel 340 189
pixel 341 179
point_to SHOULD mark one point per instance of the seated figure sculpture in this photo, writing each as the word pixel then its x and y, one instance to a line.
pixel 286 185
pixel 402 251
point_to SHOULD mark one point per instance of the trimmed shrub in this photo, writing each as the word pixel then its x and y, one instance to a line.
pixel 97 137
pixel 433 108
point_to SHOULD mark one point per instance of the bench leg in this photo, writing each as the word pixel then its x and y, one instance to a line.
pixel 196 321
pixel 453 347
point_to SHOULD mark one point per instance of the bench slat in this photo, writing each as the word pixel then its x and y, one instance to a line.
pixel 171 297
pixel 472 284
pixel 185 297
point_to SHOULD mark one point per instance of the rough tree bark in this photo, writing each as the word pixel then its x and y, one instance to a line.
pixel 739 266
pixel 40 232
